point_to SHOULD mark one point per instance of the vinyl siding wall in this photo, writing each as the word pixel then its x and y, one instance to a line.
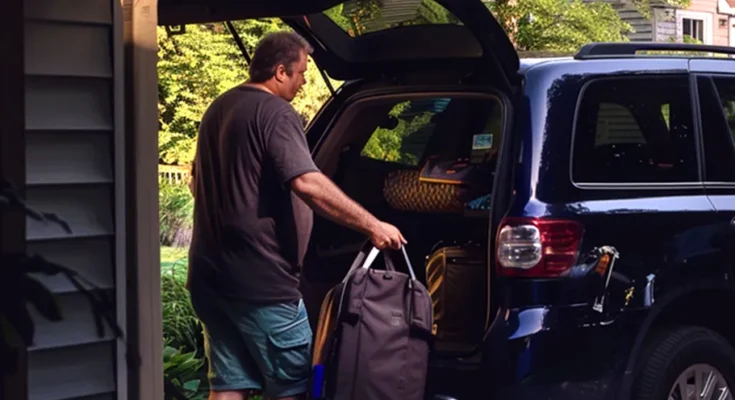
pixel 664 24
pixel 74 169
pixel 642 26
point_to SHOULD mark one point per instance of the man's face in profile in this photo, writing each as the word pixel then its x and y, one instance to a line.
pixel 291 84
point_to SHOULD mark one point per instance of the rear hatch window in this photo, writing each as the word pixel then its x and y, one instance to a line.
pixel 358 18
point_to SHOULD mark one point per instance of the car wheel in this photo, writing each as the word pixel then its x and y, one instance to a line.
pixel 687 363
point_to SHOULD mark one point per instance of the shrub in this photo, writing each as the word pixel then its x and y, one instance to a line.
pixel 184 375
pixel 175 214
pixel 181 327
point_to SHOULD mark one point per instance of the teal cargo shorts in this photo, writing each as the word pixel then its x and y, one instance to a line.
pixel 257 347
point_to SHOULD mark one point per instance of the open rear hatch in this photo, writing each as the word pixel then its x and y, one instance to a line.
pixel 357 39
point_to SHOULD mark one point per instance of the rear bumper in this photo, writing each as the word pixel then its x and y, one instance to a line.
pixel 545 353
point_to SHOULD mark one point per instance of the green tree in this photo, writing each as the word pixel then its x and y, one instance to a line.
pixel 559 25
pixel 358 17
pixel 547 25
pixel 198 65
pixel 193 68
pixel 389 144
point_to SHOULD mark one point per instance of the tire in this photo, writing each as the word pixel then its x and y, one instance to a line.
pixel 675 350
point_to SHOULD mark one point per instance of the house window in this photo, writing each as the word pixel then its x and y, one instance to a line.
pixel 693 28
pixel 694 25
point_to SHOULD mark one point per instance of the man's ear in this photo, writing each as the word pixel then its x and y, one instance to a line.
pixel 281 73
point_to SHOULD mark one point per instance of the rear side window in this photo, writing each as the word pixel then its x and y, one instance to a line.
pixel 717 108
pixel 635 130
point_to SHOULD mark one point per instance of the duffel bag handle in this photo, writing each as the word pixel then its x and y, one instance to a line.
pixel 365 259
pixel 391 266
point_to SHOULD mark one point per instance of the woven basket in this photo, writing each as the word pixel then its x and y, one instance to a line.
pixel 404 191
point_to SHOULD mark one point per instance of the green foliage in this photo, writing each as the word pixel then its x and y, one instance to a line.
pixel 184 374
pixel 559 25
pixel 183 356
pixel 689 39
pixel 729 108
pixel 173 257
pixel 193 68
pixel 197 66
pixel 175 214
pixel 666 114
pixel 358 17
pixel 181 328
pixel 389 144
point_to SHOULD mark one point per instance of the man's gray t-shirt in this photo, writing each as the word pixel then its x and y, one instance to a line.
pixel 250 230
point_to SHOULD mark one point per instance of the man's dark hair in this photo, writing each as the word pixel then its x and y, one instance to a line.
pixel 275 49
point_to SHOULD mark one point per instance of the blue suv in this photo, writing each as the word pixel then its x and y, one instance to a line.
pixel 574 217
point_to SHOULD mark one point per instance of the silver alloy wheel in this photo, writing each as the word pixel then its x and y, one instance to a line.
pixel 700 381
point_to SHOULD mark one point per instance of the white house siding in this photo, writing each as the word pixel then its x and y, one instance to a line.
pixel 660 26
pixel 73 129
pixel 643 29
pixel 664 20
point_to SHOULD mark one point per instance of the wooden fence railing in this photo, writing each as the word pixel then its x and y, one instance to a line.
pixel 174 174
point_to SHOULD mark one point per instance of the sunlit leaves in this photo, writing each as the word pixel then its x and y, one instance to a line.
pixel 197 66
pixel 559 25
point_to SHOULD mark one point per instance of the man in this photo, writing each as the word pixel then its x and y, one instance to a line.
pixel 255 186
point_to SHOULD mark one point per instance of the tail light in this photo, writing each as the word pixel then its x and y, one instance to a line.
pixel 539 248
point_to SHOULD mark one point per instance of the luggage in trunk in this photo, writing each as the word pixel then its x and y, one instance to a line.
pixel 456 278
pixel 372 339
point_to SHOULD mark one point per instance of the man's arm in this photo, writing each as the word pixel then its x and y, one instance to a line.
pixel 289 153
pixel 330 201
pixel 326 198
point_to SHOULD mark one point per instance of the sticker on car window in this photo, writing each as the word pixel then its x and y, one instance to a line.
pixel 482 141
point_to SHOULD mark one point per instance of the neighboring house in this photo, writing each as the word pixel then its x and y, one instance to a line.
pixel 709 21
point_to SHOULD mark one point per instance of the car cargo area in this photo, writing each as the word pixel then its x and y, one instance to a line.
pixel 425 163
